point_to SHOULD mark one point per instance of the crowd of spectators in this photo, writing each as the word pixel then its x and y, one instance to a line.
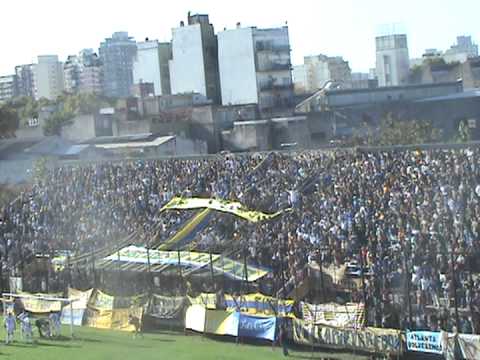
pixel 411 218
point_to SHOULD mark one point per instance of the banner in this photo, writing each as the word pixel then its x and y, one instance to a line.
pixel 259 305
pixel 166 307
pixel 100 301
pixel 117 319
pixel 77 316
pixel 188 232
pixel 195 318
pixel 139 255
pixel 81 298
pixel 371 340
pixel 40 306
pixel 350 315
pixel 120 318
pixel 100 319
pixel 208 301
pixel 120 302
pixel 231 207
pixel 257 327
pixel 424 341
pixel 470 346
pixel 222 322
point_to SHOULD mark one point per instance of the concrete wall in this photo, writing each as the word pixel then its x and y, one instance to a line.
pixel 372 96
pixel 291 130
pixel 236 61
pixel 82 129
pixel 187 71
pixel 248 136
pixel 15 171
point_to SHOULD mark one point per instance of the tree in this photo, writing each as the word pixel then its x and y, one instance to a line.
pixel 8 121
pixel 464 133
pixel 393 131
pixel 56 121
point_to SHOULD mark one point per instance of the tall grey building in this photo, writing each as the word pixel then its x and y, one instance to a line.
pixel 393 61
pixel 117 54
pixel 194 67
pixel 49 83
pixel 83 73
pixel 151 65
pixel 255 67
pixel 25 80
pixel 7 87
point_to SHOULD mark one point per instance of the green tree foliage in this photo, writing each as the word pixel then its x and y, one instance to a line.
pixel 56 121
pixel 8 121
pixel 464 133
pixel 406 132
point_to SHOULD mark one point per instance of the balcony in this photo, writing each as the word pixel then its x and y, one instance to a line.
pixel 272 86
pixel 273 66
pixel 265 46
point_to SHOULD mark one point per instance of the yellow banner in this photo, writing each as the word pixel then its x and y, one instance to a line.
pixel 208 301
pixel 120 318
pixel 41 306
pixel 117 319
pixel 221 322
pixel 260 305
pixel 81 298
pixel 231 207
pixel 101 301
pixel 99 319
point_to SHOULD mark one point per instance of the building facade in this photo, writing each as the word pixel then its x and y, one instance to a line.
pixel 393 62
pixel 255 67
pixel 7 87
pixel 25 80
pixel 317 70
pixel 194 66
pixel 49 81
pixel 117 55
pixel 151 65
pixel 83 73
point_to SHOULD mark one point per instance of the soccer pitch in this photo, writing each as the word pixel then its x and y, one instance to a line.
pixel 93 344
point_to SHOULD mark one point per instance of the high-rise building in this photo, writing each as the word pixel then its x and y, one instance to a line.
pixel 255 67
pixel 393 62
pixel 49 81
pixel 317 70
pixel 464 49
pixel 151 65
pixel 194 67
pixel 7 87
pixel 25 80
pixel 83 73
pixel 117 54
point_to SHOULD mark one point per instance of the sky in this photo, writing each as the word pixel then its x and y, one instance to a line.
pixel 336 27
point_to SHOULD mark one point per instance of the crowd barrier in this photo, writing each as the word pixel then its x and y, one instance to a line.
pixel 255 316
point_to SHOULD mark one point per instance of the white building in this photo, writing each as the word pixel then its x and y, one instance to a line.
pixel 393 62
pixel 151 65
pixel 317 70
pixel 7 87
pixel 194 67
pixel 48 77
pixel 255 67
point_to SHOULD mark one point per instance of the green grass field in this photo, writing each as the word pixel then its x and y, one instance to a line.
pixel 93 344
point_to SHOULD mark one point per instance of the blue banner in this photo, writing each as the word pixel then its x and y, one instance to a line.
pixel 77 316
pixel 424 341
pixel 257 327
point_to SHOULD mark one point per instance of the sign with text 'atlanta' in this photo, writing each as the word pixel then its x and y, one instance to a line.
pixel 424 341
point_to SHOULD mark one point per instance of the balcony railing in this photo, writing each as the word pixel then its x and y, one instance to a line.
pixel 270 86
pixel 272 66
